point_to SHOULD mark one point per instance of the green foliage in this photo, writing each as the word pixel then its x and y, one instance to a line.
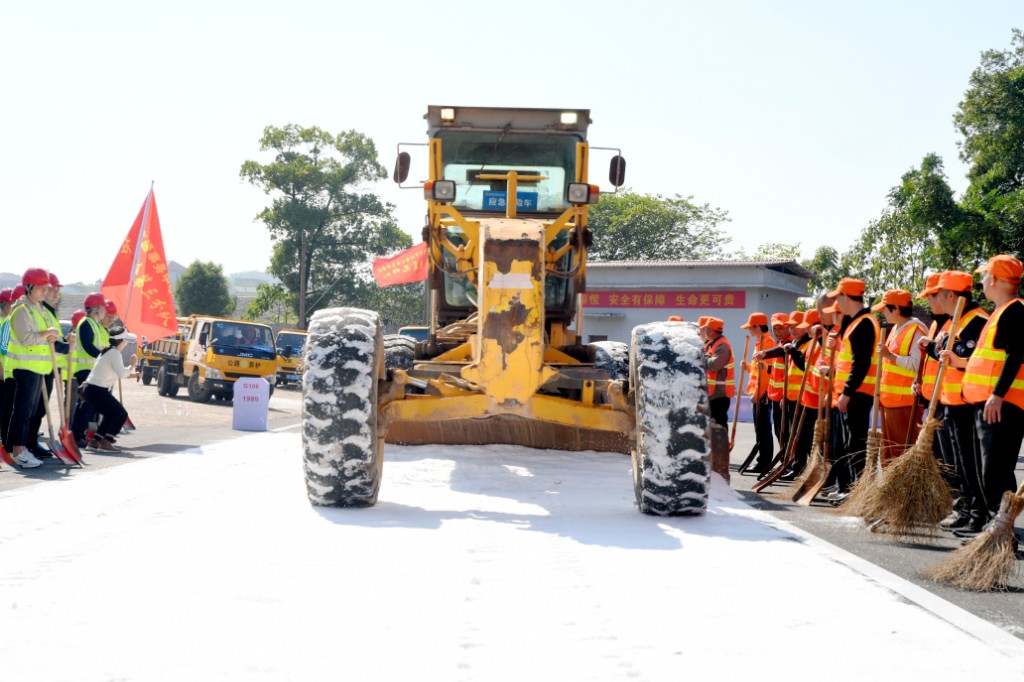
pixel 771 251
pixel 828 268
pixel 203 290
pixel 631 226
pixel 326 231
pixel 273 305
pixel 399 305
pixel 991 120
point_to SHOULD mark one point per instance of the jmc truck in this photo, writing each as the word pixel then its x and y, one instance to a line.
pixel 211 354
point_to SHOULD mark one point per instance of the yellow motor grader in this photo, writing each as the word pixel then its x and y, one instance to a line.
pixel 504 360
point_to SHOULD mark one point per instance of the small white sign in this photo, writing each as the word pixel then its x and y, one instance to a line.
pixel 252 404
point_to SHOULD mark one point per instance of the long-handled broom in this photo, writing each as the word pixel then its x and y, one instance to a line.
pixel 739 394
pixel 758 406
pixel 988 561
pixel 862 490
pixel 912 492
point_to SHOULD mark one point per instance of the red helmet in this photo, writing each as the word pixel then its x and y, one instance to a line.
pixel 7 295
pixel 94 299
pixel 76 318
pixel 37 277
pixel 18 292
pixel 54 282
pixel 111 308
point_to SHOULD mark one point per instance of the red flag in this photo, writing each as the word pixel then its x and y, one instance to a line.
pixel 408 266
pixel 138 281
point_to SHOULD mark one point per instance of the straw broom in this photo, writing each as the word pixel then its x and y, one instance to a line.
pixel 739 394
pixel 856 503
pixel 989 561
pixel 912 492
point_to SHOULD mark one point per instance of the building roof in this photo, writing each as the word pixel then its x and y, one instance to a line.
pixel 788 267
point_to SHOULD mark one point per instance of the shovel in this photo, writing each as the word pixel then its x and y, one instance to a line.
pixel 56 447
pixel 67 438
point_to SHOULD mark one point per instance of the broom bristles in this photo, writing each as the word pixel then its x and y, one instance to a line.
pixel 989 561
pixel 862 492
pixel 813 459
pixel 911 492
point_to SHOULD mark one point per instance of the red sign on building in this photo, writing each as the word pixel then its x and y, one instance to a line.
pixel 664 299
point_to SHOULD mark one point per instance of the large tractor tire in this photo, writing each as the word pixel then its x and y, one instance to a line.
pixel 612 357
pixel 165 384
pixel 399 351
pixel 196 392
pixel 147 376
pixel 342 450
pixel 672 456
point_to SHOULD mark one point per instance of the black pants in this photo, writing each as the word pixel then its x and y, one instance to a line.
pixel 720 410
pixel 851 440
pixel 36 422
pixel 942 448
pixel 112 413
pixel 82 412
pixel 804 436
pixel 999 446
pixel 959 426
pixel 6 409
pixel 28 391
pixel 763 430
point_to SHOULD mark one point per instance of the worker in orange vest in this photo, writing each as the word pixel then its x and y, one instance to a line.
pixel 901 356
pixel 954 347
pixel 721 370
pixel 801 362
pixel 777 382
pixel 994 380
pixel 757 388
pixel 853 386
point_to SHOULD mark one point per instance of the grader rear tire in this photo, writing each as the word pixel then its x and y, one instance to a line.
pixel 342 450
pixel 612 357
pixel 672 457
pixel 399 351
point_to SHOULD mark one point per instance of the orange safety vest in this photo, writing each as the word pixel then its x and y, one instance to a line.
pixel 952 378
pixel 730 370
pixel 758 382
pixel 896 381
pixel 794 375
pixel 986 364
pixel 777 383
pixel 810 396
pixel 844 361
pixel 931 365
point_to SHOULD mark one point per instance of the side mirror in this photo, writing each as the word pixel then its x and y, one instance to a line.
pixel 402 167
pixel 617 171
pixel 202 338
pixel 288 352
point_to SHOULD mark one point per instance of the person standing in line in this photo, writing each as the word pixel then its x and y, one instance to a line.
pixel 28 355
pixel 92 337
pixel 757 388
pixel 954 347
pixel 901 356
pixel 49 307
pixel 720 369
pixel 853 387
pixel 6 306
pixel 777 383
pixel 994 380
pixel 98 392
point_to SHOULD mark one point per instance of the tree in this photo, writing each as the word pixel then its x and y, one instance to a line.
pixel 828 269
pixel 772 251
pixel 273 304
pixel 991 120
pixel 400 305
pixel 324 227
pixel 203 290
pixel 631 226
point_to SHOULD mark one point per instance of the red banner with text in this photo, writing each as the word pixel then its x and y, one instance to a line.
pixel 665 299
pixel 408 266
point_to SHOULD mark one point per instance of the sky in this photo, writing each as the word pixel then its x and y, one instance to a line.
pixel 796 118
pixel 477 563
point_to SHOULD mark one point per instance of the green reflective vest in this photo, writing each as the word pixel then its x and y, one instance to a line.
pixel 36 357
pixel 80 358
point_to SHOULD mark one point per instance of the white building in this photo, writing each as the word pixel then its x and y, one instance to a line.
pixel 623 294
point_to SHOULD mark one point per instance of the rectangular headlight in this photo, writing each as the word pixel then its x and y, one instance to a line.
pixel 447 114
pixel 444 190
pixel 579 193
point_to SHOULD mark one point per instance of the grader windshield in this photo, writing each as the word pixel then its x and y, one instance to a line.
pixel 470 157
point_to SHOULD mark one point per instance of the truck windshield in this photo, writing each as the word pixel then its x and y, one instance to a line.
pixel 296 341
pixel 241 334
pixel 468 155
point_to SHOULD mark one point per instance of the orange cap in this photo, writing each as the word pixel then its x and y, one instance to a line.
pixel 755 319
pixel 1004 267
pixel 897 297
pixel 931 286
pixel 675 318
pixel 831 310
pixel 796 317
pixel 811 318
pixel 956 280
pixel 849 286
pixel 702 321
pixel 779 319
pixel 715 324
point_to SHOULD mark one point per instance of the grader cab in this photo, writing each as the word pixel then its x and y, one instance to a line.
pixel 504 358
